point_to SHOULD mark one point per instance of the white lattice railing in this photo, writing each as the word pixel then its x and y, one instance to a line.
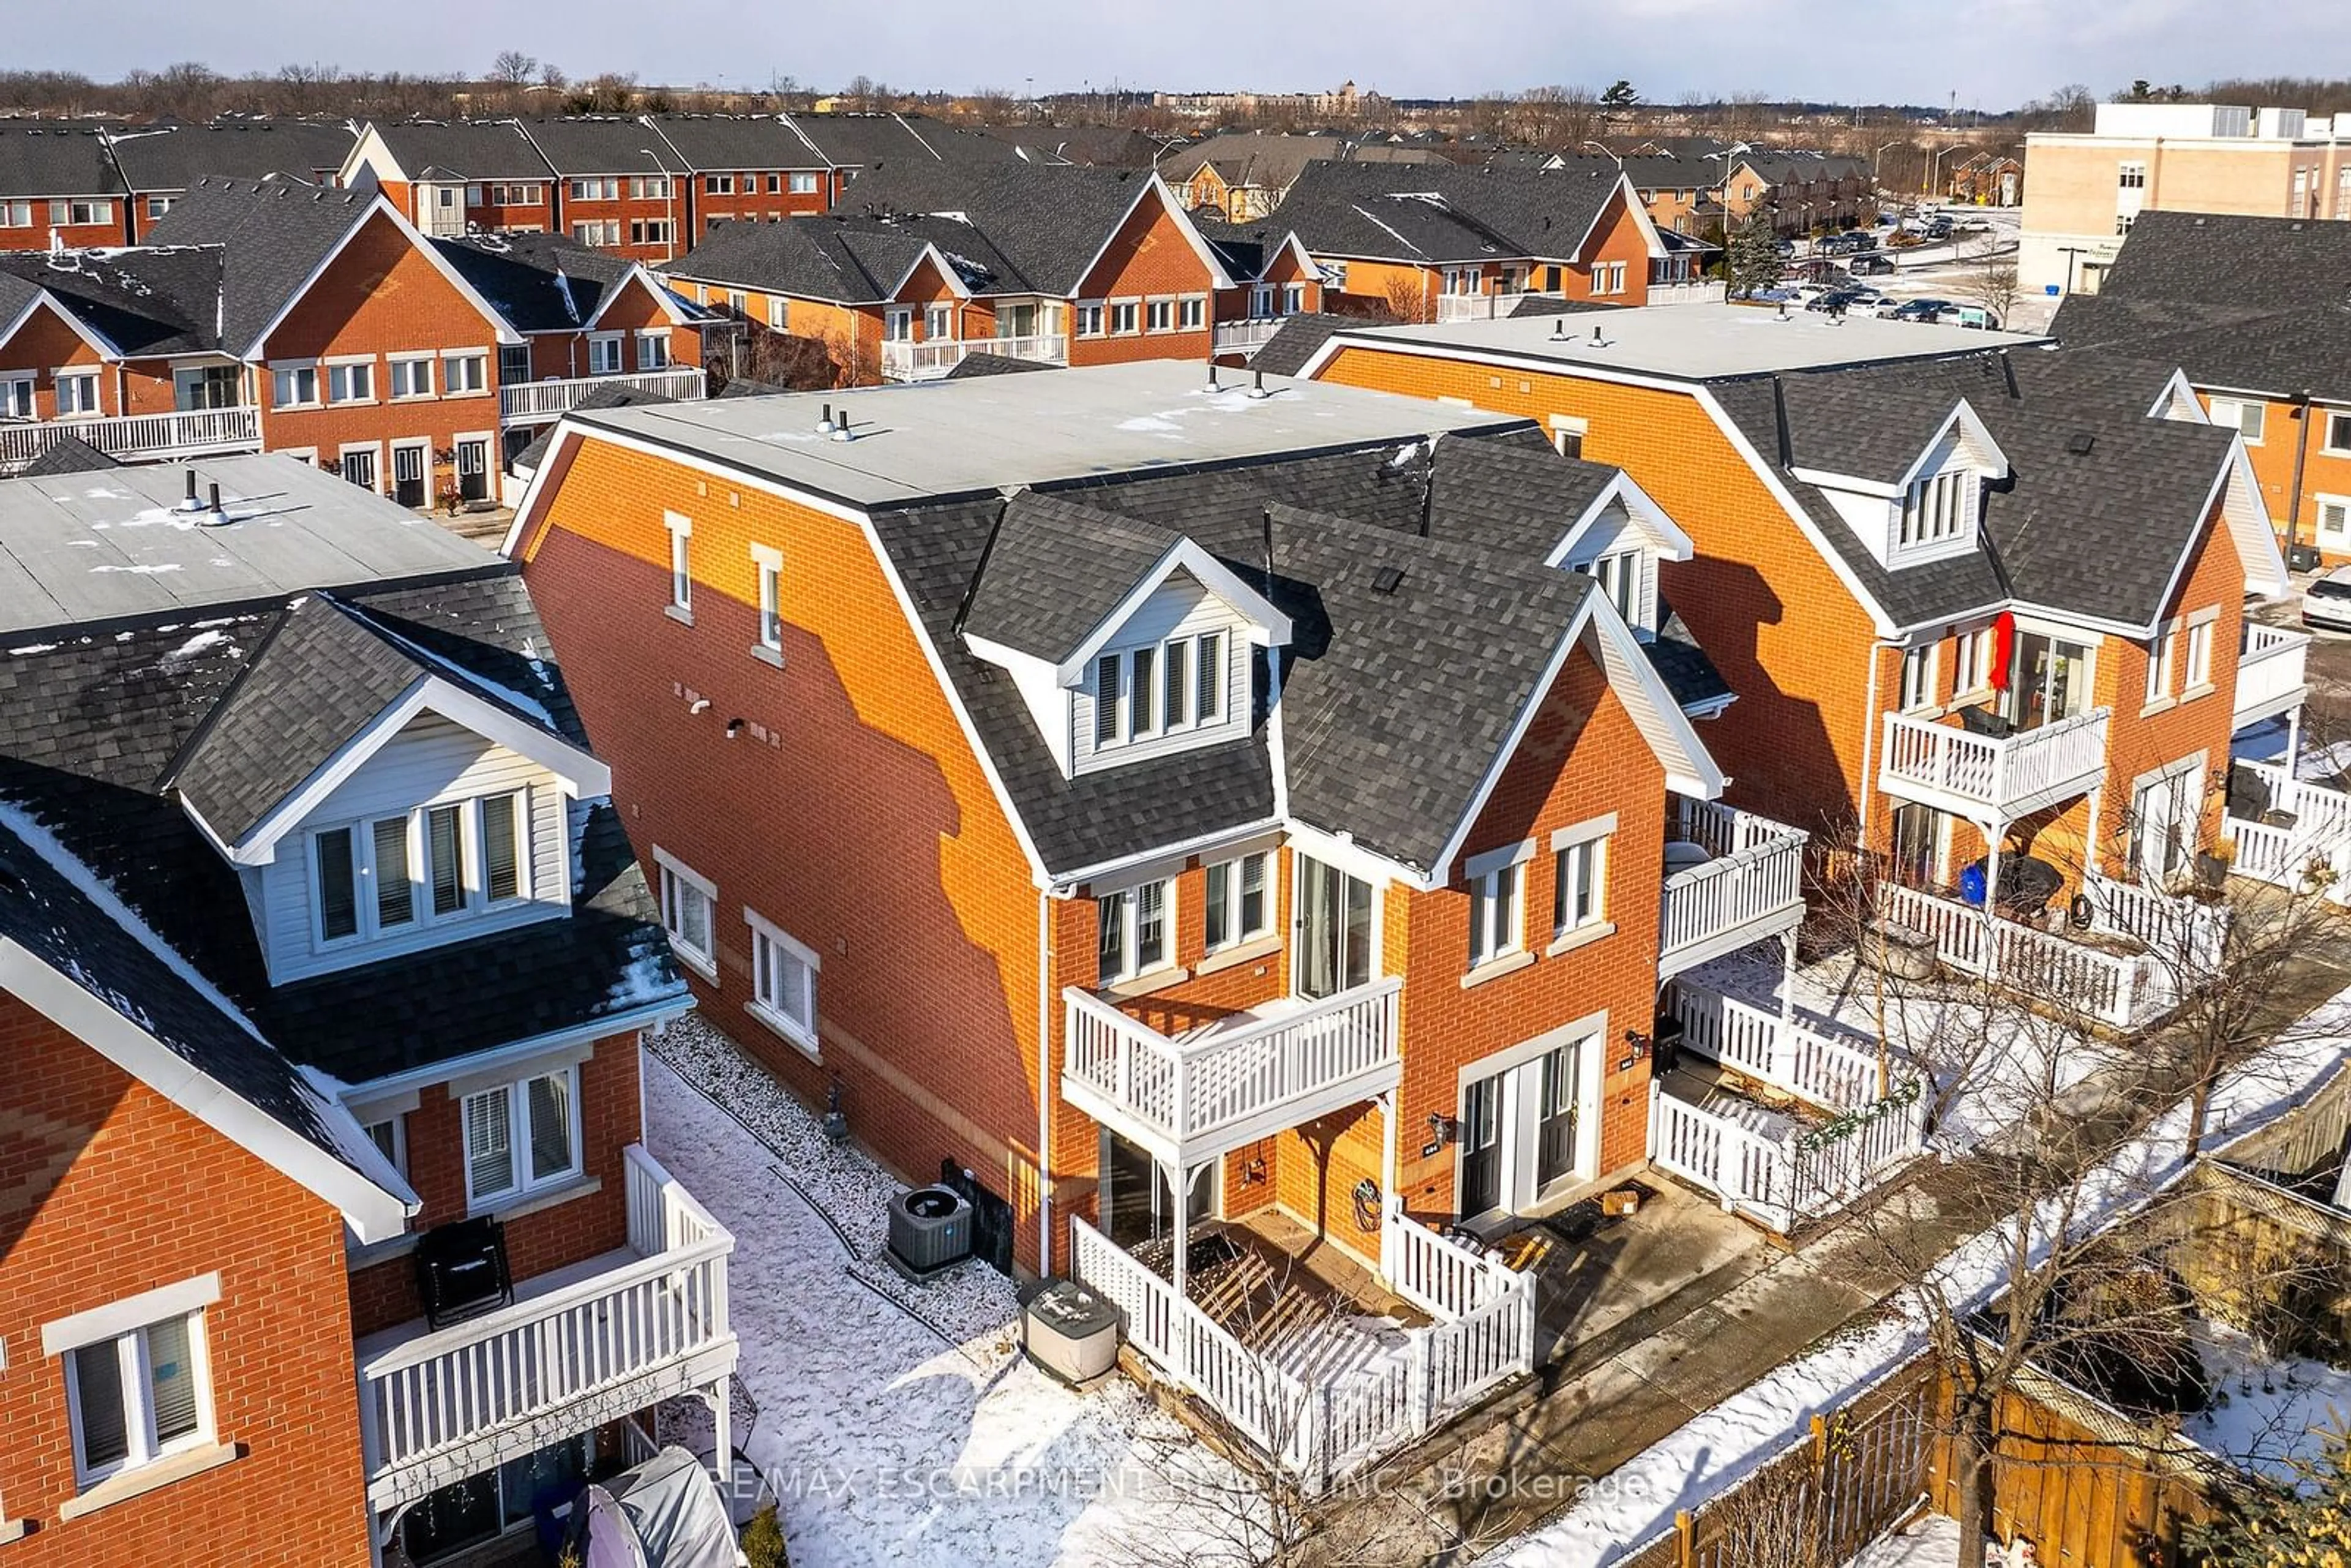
pixel 1757 1044
pixel 908 361
pixel 1323 1430
pixel 2269 667
pixel 136 437
pixel 2118 988
pixel 598 1347
pixel 1496 305
pixel 1803 1175
pixel 2314 847
pixel 524 403
pixel 1751 889
pixel 1208 1085
pixel 2002 772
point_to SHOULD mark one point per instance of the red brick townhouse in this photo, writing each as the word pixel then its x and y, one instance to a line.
pixel 323 962
pixel 1441 243
pixel 2252 311
pixel 1189 792
pixel 1978 597
pixel 308 321
pixel 1060 265
pixel 160 163
pixel 619 185
pixel 454 177
pixel 757 168
pixel 59 184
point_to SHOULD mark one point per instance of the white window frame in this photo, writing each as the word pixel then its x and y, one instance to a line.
pixel 519 1142
pixel 768 568
pixel 600 188
pixel 779 314
pixel 16 395
pixel 681 565
pixel 803 185
pixel 2338 508
pixel 297 368
pixel 1091 319
pixel 1915 689
pixel 1180 654
pixel 394 1145
pixel 2234 417
pixel 85 400
pixel 2337 418
pixel 1575 872
pixel 1568 434
pixel 652 348
pixel 350 369
pixel 1124 319
pixel 2197 663
pixel 1497 904
pixel 718 185
pixel 2162 660
pixel 1159 316
pixel 938 323
pixel 1129 965
pixel 473 870
pixel 771 947
pixel 408 367
pixel 464 373
pixel 15 214
pixel 603 347
pixel 1971 658
pixel 898 324
pixel 649 230
pixel 2130 175
pixel 1936 509
pixel 1232 900
pixel 135 1368
pixel 679 880
pixel 1192 313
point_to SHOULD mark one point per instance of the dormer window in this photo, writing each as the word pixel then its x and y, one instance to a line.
pixel 1938 508
pixel 366 875
pixel 1167 689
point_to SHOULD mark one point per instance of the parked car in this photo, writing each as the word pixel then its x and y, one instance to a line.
pixel 1922 310
pixel 1805 293
pixel 1884 306
pixel 2327 600
pixel 1838 300
pixel 1872 264
pixel 1974 315
pixel 1786 247
pixel 1937 228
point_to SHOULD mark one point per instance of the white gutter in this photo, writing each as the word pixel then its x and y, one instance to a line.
pixel 1047 1092
pixel 1869 736
pixel 466 1066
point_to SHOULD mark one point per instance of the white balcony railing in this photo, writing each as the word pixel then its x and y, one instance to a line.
pixel 2269 673
pixel 1495 307
pixel 533 402
pixel 2301 843
pixel 929 361
pixel 137 438
pixel 1753 889
pixel 1684 291
pixel 1831 1073
pixel 1236 1081
pixel 1247 337
pixel 1781 1182
pixel 577 1349
pixel 2123 989
pixel 1941 763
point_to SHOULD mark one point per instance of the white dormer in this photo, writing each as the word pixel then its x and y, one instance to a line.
pixel 1934 509
pixel 1125 641
pixel 1618 541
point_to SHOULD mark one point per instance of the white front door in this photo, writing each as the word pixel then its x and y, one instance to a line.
pixel 2163 825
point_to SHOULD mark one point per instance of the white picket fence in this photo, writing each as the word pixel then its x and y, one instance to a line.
pixel 1322 1431
pixel 2317 849
pixel 1435 1273
pixel 1838 1074
pixel 2192 935
pixel 1781 1182
pixel 2123 989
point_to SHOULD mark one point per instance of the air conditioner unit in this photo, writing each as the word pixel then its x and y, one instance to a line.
pixel 930 1228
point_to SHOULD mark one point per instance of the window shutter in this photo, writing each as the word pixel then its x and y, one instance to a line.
pixel 172 1377
pixel 489 1160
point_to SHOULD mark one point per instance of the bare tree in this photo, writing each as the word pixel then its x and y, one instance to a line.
pixel 513 69
pixel 1991 275
pixel 1406 297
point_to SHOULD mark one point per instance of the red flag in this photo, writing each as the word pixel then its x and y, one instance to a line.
pixel 2004 645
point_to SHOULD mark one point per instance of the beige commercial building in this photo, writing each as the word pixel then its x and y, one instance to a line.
pixel 2082 192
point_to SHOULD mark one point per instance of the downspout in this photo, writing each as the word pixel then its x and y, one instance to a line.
pixel 1047 1091
pixel 2301 452
pixel 1869 733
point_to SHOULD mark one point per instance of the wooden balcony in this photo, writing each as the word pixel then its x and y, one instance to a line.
pixel 539 402
pixel 929 361
pixel 1753 889
pixel 1940 764
pixel 577 1348
pixel 1195 1096
pixel 2269 673
pixel 138 437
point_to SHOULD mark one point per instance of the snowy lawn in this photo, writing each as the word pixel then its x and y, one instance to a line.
pixel 2265 1413
pixel 896 1435
pixel 1930 1541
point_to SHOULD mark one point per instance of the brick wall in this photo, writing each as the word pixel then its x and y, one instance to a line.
pixel 565 354
pixel 1150 255
pixel 1616 239
pixel 384 1294
pixel 757 203
pixel 851 810
pixel 44 345
pixel 2283 434
pixel 110 229
pixel 107 1190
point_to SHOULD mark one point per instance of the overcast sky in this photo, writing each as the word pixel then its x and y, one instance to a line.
pixel 1991 53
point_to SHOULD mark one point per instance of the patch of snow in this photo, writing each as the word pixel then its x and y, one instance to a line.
pixel 36 648
pixel 2265 1413
pixel 1930 1542
pixel 2323 764
pixel 195 645
pixel 902 1427
pixel 143 568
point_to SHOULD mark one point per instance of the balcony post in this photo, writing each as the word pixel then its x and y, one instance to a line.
pixel 722 1455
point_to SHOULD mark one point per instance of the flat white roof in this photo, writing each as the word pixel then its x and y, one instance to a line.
pixel 116 544
pixel 1699 342
pixel 922 440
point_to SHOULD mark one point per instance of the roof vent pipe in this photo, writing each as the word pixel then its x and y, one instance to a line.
pixel 824 424
pixel 841 427
pixel 1257 383
pixel 1212 375
pixel 190 504
pixel 214 497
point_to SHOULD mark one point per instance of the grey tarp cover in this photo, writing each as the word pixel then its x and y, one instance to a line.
pixel 665 1513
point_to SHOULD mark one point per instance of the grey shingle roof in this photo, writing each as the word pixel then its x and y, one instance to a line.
pixel 1436 212
pixel 519 275
pixel 273 234
pixel 1056 570
pixel 529 459
pixel 149 300
pixel 853 259
pixel 463 150
pixel 987 364
pixel 1267 158
pixel 172 158
pixel 601 144
pixel 68 454
pixel 1048 223
pixel 878 141
pixel 1294 342
pixel 749 142
pixel 56 160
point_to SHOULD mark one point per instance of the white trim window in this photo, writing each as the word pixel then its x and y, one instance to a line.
pixel 78 215
pixel 783 982
pixel 1159 316
pixel 1938 508
pixel 1192 313
pixel 1972 657
pixel 1240 901
pixel 2247 416
pixel 351 381
pixel 464 373
pixel 1619 574
pixel 390 1137
pixel 1496 911
pixel 447 861
pixel 16 397
pixel 15 214
pixel 802 184
pixel 411 376
pixel 2334 518
pixel 1168 688
pixel 681 564
pixel 522 1136
pixel 1134 932
pixel 769 564
pixel 1088 318
pixel 139 1397
pixel 1608 278
pixel 2338 421
pixel 652 349
pixel 2159 659
pixel 2130 176
pixel 2199 657
pixel 604 189
pixel 938 323
pixel 294 386
pixel 1125 318
pixel 1580 884
pixel 1917 679
pixel 77 393
pixel 898 324
pixel 604 353
pixel 689 903
pixel 780 314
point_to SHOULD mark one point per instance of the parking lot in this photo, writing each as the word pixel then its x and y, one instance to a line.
pixel 1944 270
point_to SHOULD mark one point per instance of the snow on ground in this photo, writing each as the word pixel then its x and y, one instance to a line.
pixel 1991 1065
pixel 1931 1541
pixel 898 1437
pixel 1719 1446
pixel 2265 1413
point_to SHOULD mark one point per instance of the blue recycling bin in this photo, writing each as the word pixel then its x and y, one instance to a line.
pixel 1971 883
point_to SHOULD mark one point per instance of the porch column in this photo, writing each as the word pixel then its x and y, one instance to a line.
pixel 1388 1197
pixel 1787 976
pixel 2293 737
pixel 722 1413
pixel 2097 859
pixel 1181 1186
pixel 1991 896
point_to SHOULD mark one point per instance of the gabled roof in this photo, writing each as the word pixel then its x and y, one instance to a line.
pixel 602 144
pixel 980 363
pixel 68 454
pixel 461 149
pixel 1271 160
pixel 748 142
pixel 317 697
pixel 1440 213
pixel 149 300
pixel 53 159
pixel 174 157
pixel 849 259
pixel 874 142
pixel 550 283
pixel 1296 339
